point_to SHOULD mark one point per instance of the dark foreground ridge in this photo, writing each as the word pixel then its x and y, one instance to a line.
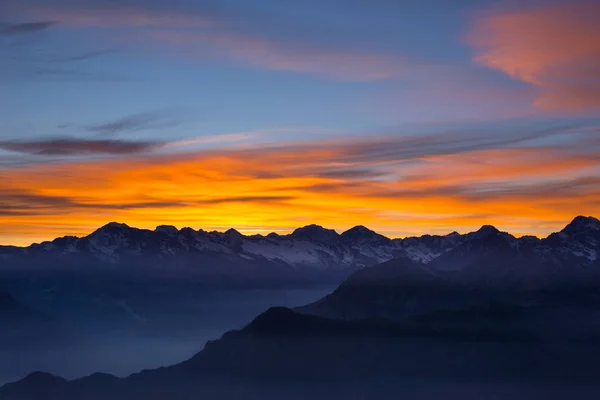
pixel 284 353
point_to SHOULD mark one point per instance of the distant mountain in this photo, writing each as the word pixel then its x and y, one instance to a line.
pixel 309 253
pixel 479 353
pixel 21 325
pixel 11 311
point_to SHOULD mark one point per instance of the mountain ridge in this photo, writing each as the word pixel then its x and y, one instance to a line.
pixel 310 248
pixel 575 223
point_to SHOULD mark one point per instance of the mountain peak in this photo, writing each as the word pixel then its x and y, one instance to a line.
pixel 581 223
pixel 315 232
pixel 115 225
pixel 361 232
pixel 233 233
pixel 110 229
pixel 360 229
pixel 41 380
pixel 487 230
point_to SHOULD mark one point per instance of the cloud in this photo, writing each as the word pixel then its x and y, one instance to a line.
pixel 381 149
pixel 352 173
pixel 136 122
pixel 33 58
pixel 53 149
pixel 118 16
pixel 24 28
pixel 243 199
pixel 78 147
pixel 281 55
pixel 555 47
pixel 88 55
pixel 523 181
pixel 17 202
pixel 202 35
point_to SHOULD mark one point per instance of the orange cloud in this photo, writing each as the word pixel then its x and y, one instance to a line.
pixel 336 183
pixel 554 47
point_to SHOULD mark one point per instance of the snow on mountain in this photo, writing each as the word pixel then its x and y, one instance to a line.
pixel 311 246
pixel 579 240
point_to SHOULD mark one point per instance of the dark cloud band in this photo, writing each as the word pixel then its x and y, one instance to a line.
pixel 75 147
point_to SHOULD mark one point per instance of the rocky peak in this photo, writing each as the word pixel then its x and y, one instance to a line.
pixel 115 225
pixel 486 231
pixel 112 228
pixel 582 224
pixel 315 233
pixel 363 234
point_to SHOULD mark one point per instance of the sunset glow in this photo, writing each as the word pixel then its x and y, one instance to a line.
pixel 194 117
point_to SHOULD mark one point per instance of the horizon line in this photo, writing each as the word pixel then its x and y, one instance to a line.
pixel 288 233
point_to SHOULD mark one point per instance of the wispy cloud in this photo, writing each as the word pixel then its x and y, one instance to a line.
pixel 19 202
pixel 281 55
pixel 118 16
pixel 24 28
pixel 28 203
pixel 555 47
pixel 77 147
pixel 136 122
pixel 87 55
pixel 202 35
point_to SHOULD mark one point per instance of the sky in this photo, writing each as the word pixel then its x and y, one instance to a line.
pixel 408 117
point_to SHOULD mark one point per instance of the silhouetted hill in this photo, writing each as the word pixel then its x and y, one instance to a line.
pixel 285 352
pixel 12 312
pixel 21 326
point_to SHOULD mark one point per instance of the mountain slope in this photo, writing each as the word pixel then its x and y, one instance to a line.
pixel 487 266
pixel 282 354
pixel 11 311
pixel 23 326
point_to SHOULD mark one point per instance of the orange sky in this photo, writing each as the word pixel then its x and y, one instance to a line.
pixel 337 183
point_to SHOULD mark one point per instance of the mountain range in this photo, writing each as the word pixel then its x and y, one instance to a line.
pixel 311 253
